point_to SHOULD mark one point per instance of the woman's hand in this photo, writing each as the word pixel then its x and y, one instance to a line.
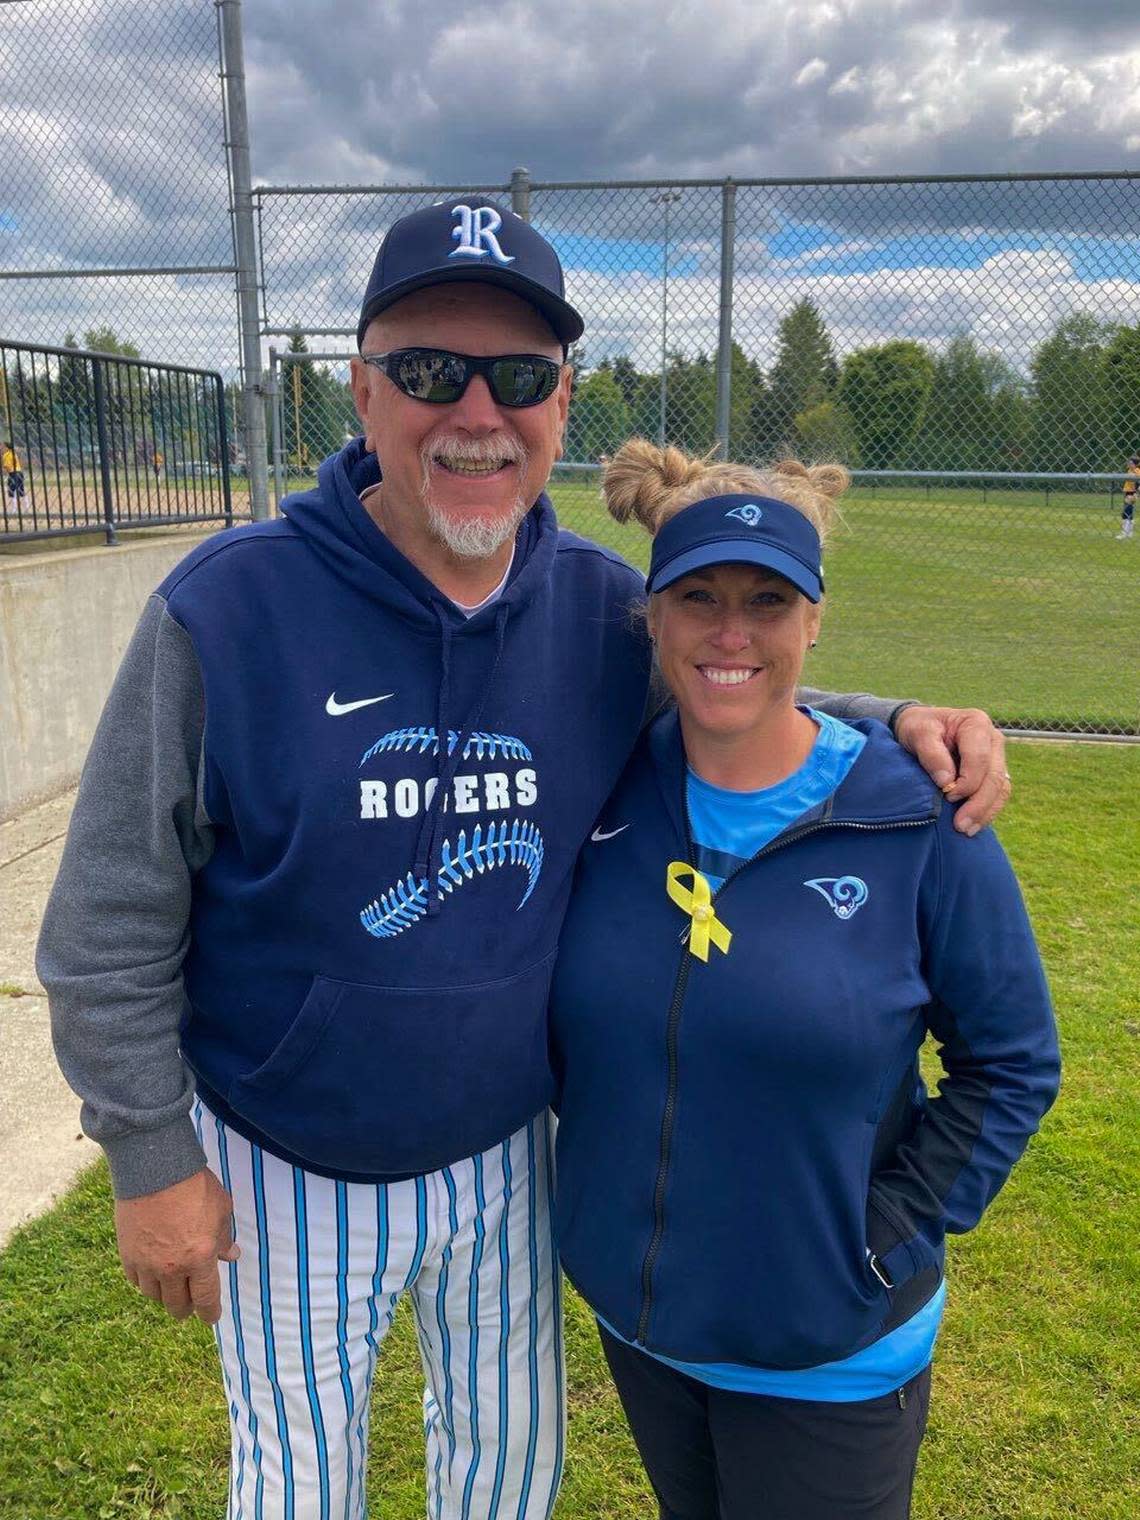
pixel 964 754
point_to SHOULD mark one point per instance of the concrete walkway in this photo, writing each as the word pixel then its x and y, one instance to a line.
pixel 40 1138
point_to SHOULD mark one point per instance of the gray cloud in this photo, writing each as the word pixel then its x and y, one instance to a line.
pixel 1112 23
pixel 591 88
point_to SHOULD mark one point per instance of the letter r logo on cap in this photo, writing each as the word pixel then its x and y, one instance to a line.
pixel 475 234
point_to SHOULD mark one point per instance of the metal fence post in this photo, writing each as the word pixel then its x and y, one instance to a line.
pixel 275 415
pixel 104 449
pixel 245 256
pixel 724 344
pixel 520 193
pixel 224 450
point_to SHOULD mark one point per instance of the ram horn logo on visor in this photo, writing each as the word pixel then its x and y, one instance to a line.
pixel 750 513
pixel 844 895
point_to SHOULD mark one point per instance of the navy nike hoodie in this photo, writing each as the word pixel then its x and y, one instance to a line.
pixel 399 795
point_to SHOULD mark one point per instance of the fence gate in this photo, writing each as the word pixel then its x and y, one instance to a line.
pixel 93 442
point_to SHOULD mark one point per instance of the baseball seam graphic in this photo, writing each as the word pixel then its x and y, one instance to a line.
pixel 425 740
pixel 515 843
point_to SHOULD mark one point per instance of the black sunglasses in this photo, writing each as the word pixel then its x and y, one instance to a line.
pixel 439 376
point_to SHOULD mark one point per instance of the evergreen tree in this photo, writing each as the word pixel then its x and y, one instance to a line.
pixel 803 375
pixel 1071 397
pixel 599 420
pixel 977 415
pixel 885 391
pixel 628 380
pixel 748 387
pixel 1122 380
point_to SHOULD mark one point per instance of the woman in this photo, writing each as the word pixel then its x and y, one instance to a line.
pixel 773 912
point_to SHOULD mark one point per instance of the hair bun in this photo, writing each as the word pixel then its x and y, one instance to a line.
pixel 792 469
pixel 831 480
pixel 642 479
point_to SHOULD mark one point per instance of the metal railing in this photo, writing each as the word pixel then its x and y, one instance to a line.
pixel 98 442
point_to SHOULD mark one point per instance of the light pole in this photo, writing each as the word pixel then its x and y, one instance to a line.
pixel 665 199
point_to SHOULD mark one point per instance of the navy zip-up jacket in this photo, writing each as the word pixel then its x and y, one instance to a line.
pixel 737 1136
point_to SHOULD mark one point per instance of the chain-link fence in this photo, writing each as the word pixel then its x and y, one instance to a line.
pixel 969 348
pixel 115 208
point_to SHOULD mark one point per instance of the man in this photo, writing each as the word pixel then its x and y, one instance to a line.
pixel 320 857
pixel 1131 481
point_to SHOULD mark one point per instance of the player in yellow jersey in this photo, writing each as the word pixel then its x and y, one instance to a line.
pixel 13 472
pixel 1131 481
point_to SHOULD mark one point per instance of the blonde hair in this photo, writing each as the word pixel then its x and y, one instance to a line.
pixel 651 484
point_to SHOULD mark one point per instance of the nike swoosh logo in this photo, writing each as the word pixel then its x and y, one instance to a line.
pixel 337 709
pixel 598 837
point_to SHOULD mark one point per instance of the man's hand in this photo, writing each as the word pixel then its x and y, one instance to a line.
pixel 171 1242
pixel 965 756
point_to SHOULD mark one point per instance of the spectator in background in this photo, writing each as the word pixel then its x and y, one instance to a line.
pixel 13 472
pixel 1131 480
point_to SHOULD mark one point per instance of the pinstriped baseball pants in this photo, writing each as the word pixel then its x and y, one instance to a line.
pixel 306 1309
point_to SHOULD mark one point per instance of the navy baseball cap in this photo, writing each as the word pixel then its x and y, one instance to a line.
pixel 739 530
pixel 472 240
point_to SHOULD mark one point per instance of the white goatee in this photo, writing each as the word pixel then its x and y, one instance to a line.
pixel 477 537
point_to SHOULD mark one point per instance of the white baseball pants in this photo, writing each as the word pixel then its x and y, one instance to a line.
pixel 306 1309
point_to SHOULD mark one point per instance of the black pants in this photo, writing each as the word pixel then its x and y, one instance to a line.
pixel 712 1455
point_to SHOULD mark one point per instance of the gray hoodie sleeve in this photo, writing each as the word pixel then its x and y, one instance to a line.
pixel 854 704
pixel 116 927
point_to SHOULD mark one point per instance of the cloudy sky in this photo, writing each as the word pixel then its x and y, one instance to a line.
pixel 350 89
pixel 110 145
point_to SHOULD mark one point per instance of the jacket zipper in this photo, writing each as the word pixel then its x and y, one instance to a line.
pixel 666 1141
pixel 673 1025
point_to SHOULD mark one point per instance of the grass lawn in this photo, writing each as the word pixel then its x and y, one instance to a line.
pixel 1025 606
pixel 109 1410
pixel 1016 601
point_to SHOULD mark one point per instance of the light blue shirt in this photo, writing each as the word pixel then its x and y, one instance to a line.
pixel 728 829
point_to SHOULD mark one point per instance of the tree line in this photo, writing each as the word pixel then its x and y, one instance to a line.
pixel 155 419
pixel 888 406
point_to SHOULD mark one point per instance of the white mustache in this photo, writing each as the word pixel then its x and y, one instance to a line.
pixel 476 450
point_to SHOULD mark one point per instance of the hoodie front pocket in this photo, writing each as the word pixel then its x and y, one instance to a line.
pixel 387 1080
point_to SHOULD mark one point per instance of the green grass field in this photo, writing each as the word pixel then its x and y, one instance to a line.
pixel 1027 607
pixel 1015 601
pixel 109 1411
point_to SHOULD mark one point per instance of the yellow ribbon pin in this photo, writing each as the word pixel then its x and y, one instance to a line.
pixel 698 905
